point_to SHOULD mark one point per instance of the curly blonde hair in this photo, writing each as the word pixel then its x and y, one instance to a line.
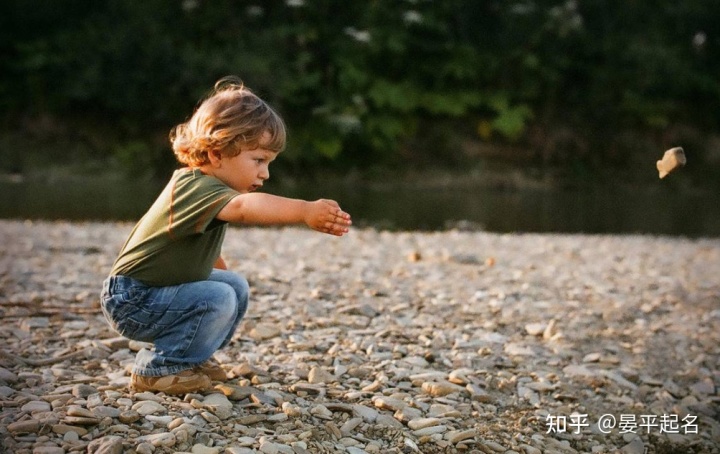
pixel 229 120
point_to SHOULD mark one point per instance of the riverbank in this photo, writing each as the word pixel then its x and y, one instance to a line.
pixel 434 203
pixel 381 342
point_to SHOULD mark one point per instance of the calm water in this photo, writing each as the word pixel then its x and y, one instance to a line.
pixel 660 210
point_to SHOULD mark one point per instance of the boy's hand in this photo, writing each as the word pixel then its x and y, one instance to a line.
pixel 220 264
pixel 327 217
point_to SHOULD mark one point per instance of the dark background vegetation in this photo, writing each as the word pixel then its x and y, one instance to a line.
pixel 367 86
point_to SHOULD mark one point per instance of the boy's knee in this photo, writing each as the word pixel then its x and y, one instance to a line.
pixel 234 280
pixel 241 287
pixel 242 294
pixel 241 284
pixel 239 290
pixel 223 299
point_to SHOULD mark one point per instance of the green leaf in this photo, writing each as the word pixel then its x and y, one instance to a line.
pixel 511 121
pixel 328 147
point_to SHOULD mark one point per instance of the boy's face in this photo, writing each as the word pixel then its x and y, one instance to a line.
pixel 245 172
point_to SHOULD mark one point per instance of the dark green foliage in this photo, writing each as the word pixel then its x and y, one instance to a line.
pixel 370 83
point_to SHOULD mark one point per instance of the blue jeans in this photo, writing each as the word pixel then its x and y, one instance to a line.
pixel 186 323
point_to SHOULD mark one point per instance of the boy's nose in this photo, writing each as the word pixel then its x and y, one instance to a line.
pixel 264 174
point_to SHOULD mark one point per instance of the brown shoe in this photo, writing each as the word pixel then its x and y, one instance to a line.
pixel 213 370
pixel 187 381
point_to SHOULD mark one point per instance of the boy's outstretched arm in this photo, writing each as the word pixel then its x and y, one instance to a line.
pixel 266 209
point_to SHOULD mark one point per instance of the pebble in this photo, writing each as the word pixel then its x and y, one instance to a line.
pixel 149 407
pixel 26 426
pixel 111 444
pixel 360 348
pixel 36 406
pixel 439 389
pixel 431 430
pixel 48 450
pixel 202 449
pixel 129 417
pixel 318 375
pixel 216 400
pixel 64 429
pixel 421 423
pixel 83 391
pixel 160 439
pixel 456 437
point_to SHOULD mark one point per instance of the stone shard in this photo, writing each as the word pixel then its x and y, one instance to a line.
pixel 672 159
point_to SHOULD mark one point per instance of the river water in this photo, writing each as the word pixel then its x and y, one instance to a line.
pixel 610 209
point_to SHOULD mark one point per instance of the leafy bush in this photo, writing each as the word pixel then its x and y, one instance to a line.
pixel 359 82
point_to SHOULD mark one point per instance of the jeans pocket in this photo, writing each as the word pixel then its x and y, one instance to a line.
pixel 133 330
pixel 120 304
pixel 120 316
pixel 133 295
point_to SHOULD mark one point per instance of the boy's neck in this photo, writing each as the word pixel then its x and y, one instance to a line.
pixel 205 170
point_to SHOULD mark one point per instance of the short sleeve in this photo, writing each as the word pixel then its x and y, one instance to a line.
pixel 196 200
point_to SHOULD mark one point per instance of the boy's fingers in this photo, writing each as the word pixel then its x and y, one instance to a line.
pixel 339 217
pixel 335 226
pixel 335 207
pixel 342 215
pixel 336 221
pixel 334 229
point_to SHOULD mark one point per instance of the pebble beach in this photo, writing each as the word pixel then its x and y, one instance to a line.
pixel 379 342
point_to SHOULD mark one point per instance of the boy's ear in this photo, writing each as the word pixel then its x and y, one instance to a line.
pixel 215 157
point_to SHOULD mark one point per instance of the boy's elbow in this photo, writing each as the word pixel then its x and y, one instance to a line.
pixel 232 211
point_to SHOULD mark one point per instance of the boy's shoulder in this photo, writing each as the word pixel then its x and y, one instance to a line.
pixel 192 174
pixel 193 179
pixel 186 172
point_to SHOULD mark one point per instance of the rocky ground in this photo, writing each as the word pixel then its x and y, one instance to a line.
pixel 380 342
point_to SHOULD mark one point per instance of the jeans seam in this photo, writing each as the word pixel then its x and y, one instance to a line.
pixel 196 325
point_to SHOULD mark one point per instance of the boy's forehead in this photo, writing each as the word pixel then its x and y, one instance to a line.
pixel 271 140
pixel 265 138
pixel 264 152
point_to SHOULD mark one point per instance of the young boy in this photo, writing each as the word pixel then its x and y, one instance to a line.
pixel 169 285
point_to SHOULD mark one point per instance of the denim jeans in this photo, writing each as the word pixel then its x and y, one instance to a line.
pixel 186 323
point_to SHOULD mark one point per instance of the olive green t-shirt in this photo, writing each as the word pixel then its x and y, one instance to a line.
pixel 179 239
